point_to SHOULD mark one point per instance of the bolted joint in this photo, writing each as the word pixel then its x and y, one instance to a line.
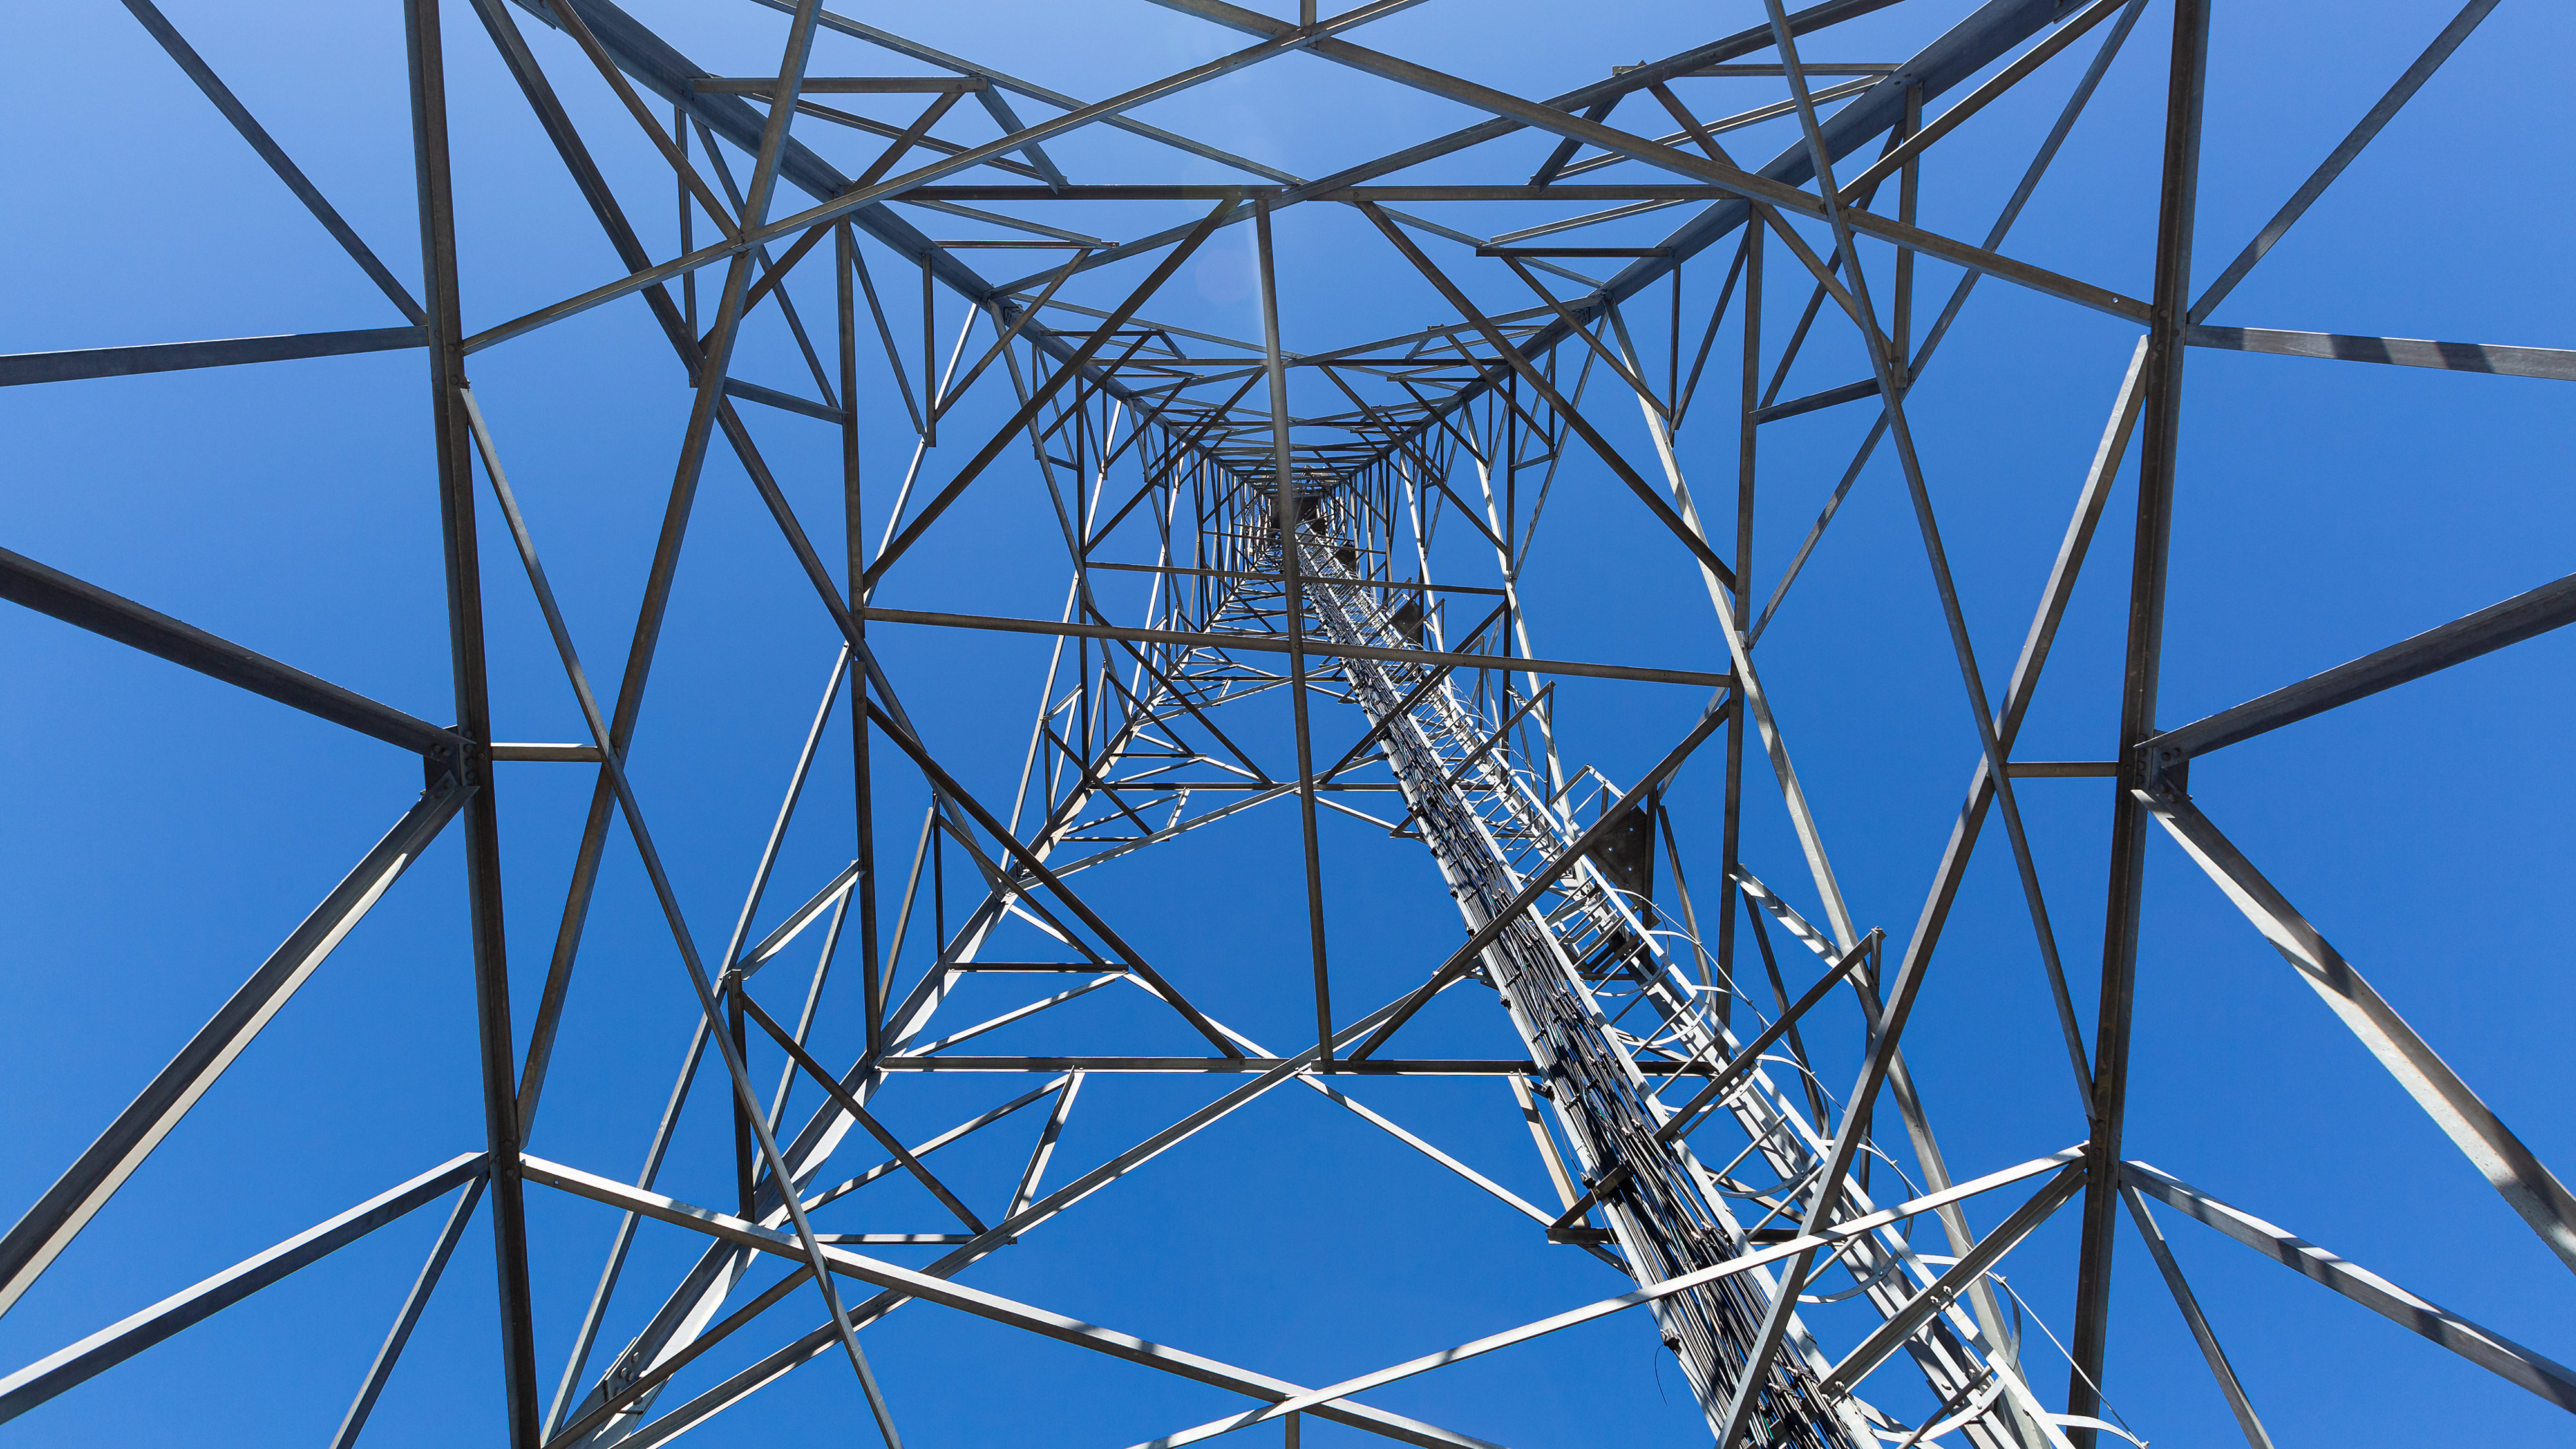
pixel 2162 770
pixel 437 765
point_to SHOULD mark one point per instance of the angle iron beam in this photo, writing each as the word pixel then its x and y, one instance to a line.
pixel 426 70
pixel 2524 616
pixel 2554 363
pixel 19 369
pixel 112 1345
pixel 2526 1184
pixel 2481 1346
pixel 85 1187
pixel 2256 1437
pixel 664 71
pixel 2159 446
pixel 2327 170
pixel 1277 644
pixel 1962 52
pixel 931 1289
pixel 275 155
pixel 414 1303
pixel 1763 1258
pixel 87 606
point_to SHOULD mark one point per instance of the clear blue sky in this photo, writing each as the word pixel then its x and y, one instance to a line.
pixel 163 832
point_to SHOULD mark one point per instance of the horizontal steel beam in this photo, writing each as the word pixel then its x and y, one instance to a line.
pixel 1156 785
pixel 2536 611
pixel 783 401
pixel 2556 364
pixel 558 754
pixel 866 85
pixel 87 606
pixel 1574 251
pixel 1278 644
pixel 2062 769
pixel 1274 578
pixel 1084 193
pixel 1373 1067
pixel 1706 72
pixel 1814 401
pixel 22 368
pixel 1652 191
pixel 1668 191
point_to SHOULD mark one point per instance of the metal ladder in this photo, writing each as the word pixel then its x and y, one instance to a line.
pixel 1568 971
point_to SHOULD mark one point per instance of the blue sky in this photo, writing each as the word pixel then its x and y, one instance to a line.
pixel 164 831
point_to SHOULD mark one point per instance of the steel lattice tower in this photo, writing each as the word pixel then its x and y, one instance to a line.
pixel 1311 640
